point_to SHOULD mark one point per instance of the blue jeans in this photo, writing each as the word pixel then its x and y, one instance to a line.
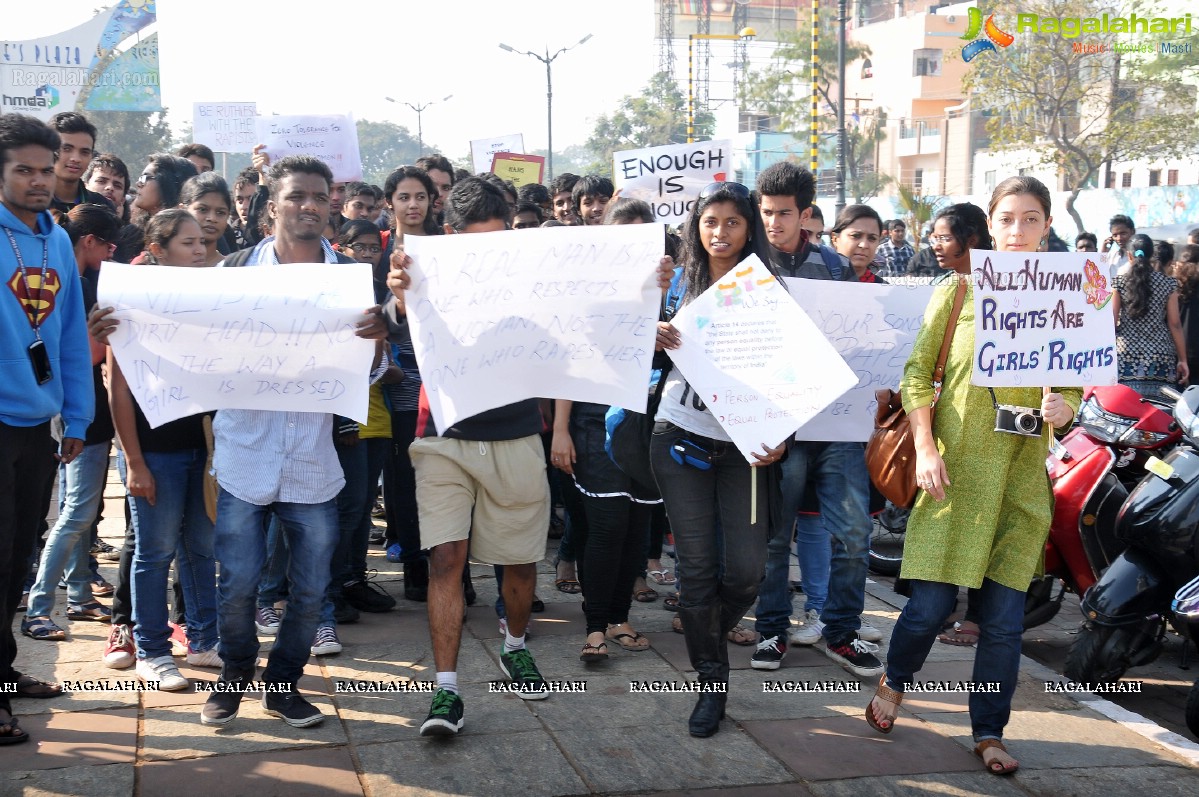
pixel 1001 625
pixel 176 528
pixel 311 531
pixel 843 489
pixel 68 545
pixel 815 558
pixel 362 465
pixel 272 587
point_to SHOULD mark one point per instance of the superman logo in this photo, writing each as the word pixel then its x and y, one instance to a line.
pixel 41 296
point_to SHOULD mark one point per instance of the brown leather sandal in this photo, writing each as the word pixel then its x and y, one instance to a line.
pixel 891 696
pixel 995 766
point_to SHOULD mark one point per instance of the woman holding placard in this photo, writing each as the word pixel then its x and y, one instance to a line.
pixel 983 511
pixel 164 472
pixel 1150 347
pixel 720 532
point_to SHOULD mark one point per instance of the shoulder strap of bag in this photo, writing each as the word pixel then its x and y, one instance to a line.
pixel 832 261
pixel 947 339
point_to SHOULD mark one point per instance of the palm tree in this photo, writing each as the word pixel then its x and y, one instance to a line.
pixel 919 208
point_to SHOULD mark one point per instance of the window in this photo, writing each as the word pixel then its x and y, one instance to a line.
pixel 1172 177
pixel 1155 177
pixel 989 181
pixel 918 181
pixel 867 69
pixel 926 62
pixel 1126 180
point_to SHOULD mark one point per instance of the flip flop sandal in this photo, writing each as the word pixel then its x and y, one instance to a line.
pixel 995 767
pixel 663 578
pixel 646 595
pixel 568 585
pixel 42 628
pixel 891 696
pixel 671 602
pixel 676 624
pixel 630 642
pixel 740 635
pixel 959 636
pixel 28 686
pixel 15 735
pixel 594 653
pixel 95 611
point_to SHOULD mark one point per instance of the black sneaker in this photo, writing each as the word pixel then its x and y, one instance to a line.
pixel 224 701
pixel 102 550
pixel 769 654
pixel 367 597
pixel 445 717
pixel 292 708
pixel 856 655
pixel 343 612
pixel 520 667
pixel 377 537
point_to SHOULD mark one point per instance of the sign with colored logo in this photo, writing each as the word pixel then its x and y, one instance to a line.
pixel 992 35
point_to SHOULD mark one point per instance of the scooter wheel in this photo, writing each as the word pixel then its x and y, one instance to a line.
pixel 1193 709
pixel 1099 655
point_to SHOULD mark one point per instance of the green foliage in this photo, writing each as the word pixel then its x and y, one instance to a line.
pixel 384 147
pixel 133 136
pixel 658 116
pixel 918 207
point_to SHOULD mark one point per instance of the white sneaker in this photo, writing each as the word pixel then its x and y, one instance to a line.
pixel 207 658
pixel 869 633
pixel 326 642
pixel 810 632
pixel 164 671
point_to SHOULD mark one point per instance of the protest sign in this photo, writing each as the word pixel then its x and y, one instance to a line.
pixel 224 126
pixel 873 327
pixel 670 178
pixel 262 338
pixel 761 366
pixel 332 139
pixel 520 169
pixel 1042 319
pixel 566 312
pixel 482 150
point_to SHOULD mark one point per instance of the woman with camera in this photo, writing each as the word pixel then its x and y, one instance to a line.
pixel 984 507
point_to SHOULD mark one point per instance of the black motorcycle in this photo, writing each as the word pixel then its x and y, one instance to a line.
pixel 1186 620
pixel 1126 611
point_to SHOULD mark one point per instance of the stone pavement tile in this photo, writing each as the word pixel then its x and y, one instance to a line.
pixel 1041 739
pixel 748 701
pixel 664 756
pixel 85 642
pixel 822 748
pixel 949 784
pixel 609 703
pixel 772 790
pixel 1164 781
pixel 175 732
pixel 95 781
pixel 412 659
pixel 73 738
pixel 96 687
pixel 558 660
pixel 485 765
pixel 286 773
pixel 672 648
pixel 312 682
pixel 397 717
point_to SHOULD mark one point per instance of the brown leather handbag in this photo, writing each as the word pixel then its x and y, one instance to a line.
pixel 891 451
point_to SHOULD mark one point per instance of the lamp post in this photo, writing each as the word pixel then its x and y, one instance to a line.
pixel 745 35
pixel 548 59
pixel 841 135
pixel 419 108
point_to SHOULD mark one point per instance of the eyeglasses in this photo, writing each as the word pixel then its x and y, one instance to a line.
pixel 736 189
pixel 111 246
pixel 367 249
pixel 941 239
pixel 145 178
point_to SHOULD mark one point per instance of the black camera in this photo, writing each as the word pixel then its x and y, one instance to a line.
pixel 1011 419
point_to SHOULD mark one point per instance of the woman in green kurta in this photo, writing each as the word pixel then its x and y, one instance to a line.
pixel 985 504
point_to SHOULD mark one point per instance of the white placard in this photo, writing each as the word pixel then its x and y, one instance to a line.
pixel 331 138
pixel 761 366
pixel 482 149
pixel 225 126
pixel 1042 320
pixel 873 327
pixel 670 178
pixel 263 338
pixel 564 312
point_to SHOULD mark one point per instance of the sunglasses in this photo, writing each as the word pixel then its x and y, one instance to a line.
pixel 367 249
pixel 145 178
pixel 111 246
pixel 736 189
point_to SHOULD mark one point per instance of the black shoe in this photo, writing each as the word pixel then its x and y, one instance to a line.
pixel 367 597
pixel 707 714
pixel 416 580
pixel 343 612
pixel 769 654
pixel 414 593
pixel 102 550
pixel 520 667
pixel 292 708
pixel 538 605
pixel 856 655
pixel 445 717
pixel 468 592
pixel 377 537
pixel 224 702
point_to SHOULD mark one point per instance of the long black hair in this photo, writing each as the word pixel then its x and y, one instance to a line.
pixel 1137 282
pixel 966 221
pixel 91 219
pixel 171 172
pixel 695 258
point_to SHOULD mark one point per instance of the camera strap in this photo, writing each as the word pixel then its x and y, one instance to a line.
pixel 994 400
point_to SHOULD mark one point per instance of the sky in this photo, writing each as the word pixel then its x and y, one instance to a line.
pixel 348 55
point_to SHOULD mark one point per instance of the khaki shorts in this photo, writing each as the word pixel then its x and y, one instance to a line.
pixel 493 493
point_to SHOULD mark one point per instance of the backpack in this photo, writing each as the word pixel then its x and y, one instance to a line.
pixel 832 261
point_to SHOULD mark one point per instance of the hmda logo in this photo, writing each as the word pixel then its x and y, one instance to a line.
pixel 45 96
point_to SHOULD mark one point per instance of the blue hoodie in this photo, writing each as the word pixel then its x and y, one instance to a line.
pixel 62 322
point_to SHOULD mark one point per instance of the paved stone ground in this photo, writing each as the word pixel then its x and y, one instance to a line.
pixel 606 741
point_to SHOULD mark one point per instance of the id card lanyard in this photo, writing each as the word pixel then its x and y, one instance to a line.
pixel 25 277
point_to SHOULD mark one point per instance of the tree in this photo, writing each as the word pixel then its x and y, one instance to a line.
pixel 133 136
pixel 658 116
pixel 919 208
pixel 782 93
pixel 384 147
pixel 1078 111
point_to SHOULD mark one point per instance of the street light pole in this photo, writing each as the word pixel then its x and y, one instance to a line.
pixel 841 140
pixel 745 35
pixel 420 108
pixel 548 59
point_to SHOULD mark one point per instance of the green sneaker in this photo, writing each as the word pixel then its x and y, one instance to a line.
pixel 526 678
pixel 445 717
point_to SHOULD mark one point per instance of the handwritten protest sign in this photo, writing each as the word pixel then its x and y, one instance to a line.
pixel 566 312
pixel 760 364
pixel 670 178
pixel 482 150
pixel 873 327
pixel 225 126
pixel 262 338
pixel 1042 319
pixel 520 169
pixel 332 139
